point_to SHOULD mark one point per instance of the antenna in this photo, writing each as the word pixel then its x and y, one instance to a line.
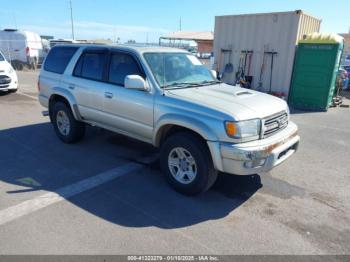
pixel 71 18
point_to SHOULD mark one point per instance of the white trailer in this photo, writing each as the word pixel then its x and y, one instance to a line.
pixel 20 48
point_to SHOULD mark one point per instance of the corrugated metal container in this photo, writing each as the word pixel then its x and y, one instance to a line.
pixel 268 32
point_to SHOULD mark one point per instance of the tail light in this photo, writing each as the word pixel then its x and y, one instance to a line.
pixel 27 51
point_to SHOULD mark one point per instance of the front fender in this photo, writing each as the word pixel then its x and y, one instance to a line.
pixel 70 98
pixel 200 127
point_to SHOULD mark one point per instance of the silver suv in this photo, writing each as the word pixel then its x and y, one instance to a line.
pixel 167 98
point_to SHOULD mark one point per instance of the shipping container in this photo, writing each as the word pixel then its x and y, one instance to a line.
pixel 261 33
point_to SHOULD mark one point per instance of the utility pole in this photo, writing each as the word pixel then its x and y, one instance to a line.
pixel 71 18
pixel 15 19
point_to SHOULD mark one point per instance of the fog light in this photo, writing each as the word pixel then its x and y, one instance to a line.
pixel 255 163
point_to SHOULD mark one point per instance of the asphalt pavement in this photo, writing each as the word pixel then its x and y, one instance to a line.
pixel 106 195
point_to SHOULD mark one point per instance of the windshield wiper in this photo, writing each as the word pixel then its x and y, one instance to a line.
pixel 212 82
pixel 187 84
pixel 181 85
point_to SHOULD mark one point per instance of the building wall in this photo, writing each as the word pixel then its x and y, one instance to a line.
pixel 205 46
pixel 346 51
pixel 278 32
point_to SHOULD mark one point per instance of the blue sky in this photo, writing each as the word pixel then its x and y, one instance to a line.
pixel 137 19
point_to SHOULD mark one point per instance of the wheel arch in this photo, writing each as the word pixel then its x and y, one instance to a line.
pixel 62 95
pixel 171 124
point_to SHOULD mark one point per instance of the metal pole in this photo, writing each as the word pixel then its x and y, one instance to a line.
pixel 15 18
pixel 71 18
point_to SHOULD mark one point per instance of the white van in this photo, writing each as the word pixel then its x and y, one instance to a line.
pixel 20 48
pixel 43 52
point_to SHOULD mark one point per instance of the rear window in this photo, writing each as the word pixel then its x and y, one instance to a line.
pixel 58 59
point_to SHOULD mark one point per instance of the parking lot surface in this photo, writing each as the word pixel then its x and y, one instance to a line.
pixel 106 195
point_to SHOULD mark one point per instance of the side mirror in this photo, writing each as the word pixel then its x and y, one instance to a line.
pixel 135 82
pixel 215 75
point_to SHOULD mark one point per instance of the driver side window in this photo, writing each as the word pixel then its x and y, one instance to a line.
pixel 120 66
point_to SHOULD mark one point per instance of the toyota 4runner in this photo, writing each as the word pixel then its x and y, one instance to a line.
pixel 167 98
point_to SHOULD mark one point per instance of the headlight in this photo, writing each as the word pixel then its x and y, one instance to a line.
pixel 243 130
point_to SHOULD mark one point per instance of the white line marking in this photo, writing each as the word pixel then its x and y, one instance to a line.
pixel 32 205
pixel 23 94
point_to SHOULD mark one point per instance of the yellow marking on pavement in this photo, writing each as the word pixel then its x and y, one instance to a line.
pixel 28 181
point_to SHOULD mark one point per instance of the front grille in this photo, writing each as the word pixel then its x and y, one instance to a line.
pixel 4 80
pixel 274 124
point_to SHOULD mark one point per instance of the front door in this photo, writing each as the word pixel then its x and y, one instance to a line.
pixel 130 111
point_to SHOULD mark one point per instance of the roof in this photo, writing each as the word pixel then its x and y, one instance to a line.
pixel 133 47
pixel 147 48
pixel 345 35
pixel 196 36
pixel 322 38
pixel 297 12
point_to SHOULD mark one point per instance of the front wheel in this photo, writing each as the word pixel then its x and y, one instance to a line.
pixel 66 127
pixel 187 164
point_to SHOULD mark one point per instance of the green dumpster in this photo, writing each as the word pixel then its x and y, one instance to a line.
pixel 315 70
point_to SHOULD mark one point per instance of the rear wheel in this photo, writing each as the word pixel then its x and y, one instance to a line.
pixel 187 164
pixel 66 127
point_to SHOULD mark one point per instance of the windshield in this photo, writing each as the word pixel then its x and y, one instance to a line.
pixel 2 57
pixel 178 70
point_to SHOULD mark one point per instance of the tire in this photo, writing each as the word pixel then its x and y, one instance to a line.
pixel 13 90
pixel 192 146
pixel 66 127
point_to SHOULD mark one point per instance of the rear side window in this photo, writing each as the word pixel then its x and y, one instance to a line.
pixel 91 66
pixel 120 66
pixel 58 59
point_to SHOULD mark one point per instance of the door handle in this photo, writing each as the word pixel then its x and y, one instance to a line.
pixel 71 86
pixel 108 95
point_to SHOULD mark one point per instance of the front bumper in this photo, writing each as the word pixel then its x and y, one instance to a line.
pixel 257 156
pixel 8 82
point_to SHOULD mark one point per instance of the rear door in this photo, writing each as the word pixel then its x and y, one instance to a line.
pixel 88 83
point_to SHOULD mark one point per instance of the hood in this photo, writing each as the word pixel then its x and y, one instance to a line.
pixel 240 103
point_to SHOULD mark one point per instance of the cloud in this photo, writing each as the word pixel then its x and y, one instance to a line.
pixel 96 30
